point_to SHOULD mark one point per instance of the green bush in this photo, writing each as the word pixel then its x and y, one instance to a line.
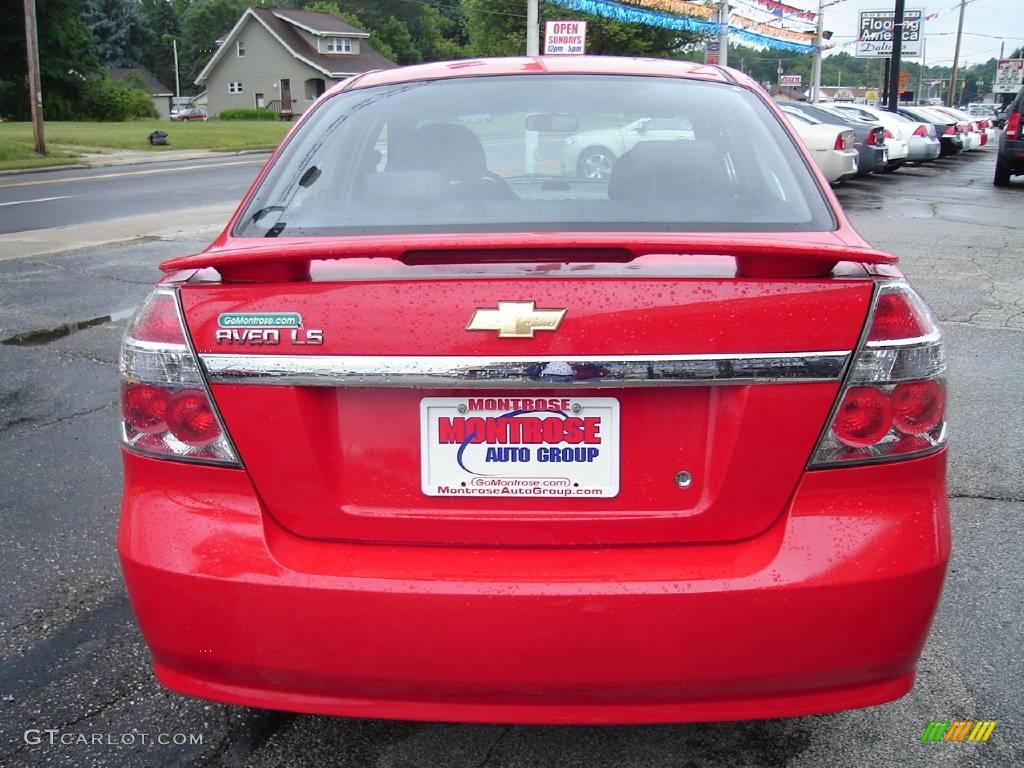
pixel 248 114
pixel 110 101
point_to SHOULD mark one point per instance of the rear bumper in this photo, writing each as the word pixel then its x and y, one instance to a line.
pixel 951 145
pixel 922 149
pixel 1012 152
pixel 872 159
pixel 828 609
pixel 896 150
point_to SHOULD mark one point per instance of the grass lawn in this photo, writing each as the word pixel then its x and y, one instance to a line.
pixel 18 154
pixel 66 140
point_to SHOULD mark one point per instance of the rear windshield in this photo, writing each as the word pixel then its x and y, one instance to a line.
pixel 538 153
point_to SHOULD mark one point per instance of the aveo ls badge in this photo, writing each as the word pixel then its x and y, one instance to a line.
pixel 265 328
pixel 511 446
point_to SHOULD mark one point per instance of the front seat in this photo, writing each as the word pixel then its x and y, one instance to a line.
pixel 671 172
pixel 456 153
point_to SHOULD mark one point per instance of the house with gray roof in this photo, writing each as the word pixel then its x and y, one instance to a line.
pixel 282 60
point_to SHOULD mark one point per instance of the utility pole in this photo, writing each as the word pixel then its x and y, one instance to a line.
pixel 816 61
pixel 532 28
pixel 998 97
pixel 35 88
pixel 956 56
pixel 177 80
pixel 531 139
pixel 897 50
pixel 723 33
pixel 920 71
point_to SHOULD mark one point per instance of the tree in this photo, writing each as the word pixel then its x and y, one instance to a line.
pixel 120 30
pixel 104 99
pixel 66 58
pixel 499 31
pixel 163 22
pixel 395 34
pixel 202 24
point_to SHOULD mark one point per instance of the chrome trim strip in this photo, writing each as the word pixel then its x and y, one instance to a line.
pixel 523 372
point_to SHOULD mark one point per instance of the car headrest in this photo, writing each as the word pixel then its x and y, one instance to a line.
pixel 452 150
pixel 669 170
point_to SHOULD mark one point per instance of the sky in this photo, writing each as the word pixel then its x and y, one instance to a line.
pixel 987 23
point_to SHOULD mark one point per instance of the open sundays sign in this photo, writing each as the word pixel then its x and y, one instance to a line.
pixel 565 38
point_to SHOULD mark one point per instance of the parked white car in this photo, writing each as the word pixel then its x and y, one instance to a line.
pixel 982 129
pixel 592 154
pixel 833 147
pixel 922 143
pixel 966 126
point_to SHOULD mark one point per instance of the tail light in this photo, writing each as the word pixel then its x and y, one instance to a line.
pixel 888 134
pixel 921 130
pixel 950 130
pixel 844 140
pixel 875 137
pixel 893 403
pixel 166 409
pixel 1013 125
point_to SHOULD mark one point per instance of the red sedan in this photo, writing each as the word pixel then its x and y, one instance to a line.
pixel 433 431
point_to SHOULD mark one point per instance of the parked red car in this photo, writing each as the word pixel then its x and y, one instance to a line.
pixel 191 113
pixel 432 431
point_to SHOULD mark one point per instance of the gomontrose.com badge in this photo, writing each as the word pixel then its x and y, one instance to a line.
pixel 520 446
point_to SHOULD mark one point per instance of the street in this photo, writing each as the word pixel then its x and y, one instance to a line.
pixel 58 198
pixel 73 659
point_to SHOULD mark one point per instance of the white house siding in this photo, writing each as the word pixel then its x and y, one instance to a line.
pixel 265 64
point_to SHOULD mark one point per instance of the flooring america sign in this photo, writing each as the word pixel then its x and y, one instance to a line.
pixel 875 34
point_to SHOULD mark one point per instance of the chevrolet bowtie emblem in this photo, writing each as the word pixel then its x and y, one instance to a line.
pixel 515 319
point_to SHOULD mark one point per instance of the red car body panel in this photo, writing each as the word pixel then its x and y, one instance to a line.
pixel 319 578
pixel 828 609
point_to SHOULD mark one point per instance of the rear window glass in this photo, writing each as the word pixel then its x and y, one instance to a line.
pixel 538 153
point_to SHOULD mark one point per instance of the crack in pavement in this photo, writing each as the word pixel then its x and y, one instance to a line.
pixel 1009 499
pixel 58 420
pixel 97 275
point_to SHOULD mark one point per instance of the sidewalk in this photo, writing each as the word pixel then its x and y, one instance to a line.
pixel 137 157
pixel 208 220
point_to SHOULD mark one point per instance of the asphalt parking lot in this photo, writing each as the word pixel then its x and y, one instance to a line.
pixel 74 664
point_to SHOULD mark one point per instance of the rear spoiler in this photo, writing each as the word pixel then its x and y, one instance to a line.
pixel 289 260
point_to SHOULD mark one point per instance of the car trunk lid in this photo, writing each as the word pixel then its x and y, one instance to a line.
pixel 350 396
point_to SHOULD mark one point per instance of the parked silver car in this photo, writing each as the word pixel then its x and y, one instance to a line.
pixel 592 154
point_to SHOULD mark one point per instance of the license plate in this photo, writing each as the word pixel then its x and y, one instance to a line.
pixel 520 446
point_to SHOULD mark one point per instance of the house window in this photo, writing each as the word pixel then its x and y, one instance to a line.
pixel 234 87
pixel 339 45
pixel 240 47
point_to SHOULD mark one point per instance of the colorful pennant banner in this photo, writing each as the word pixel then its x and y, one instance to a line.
pixel 774 32
pixel 654 18
pixel 679 7
pixel 781 9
